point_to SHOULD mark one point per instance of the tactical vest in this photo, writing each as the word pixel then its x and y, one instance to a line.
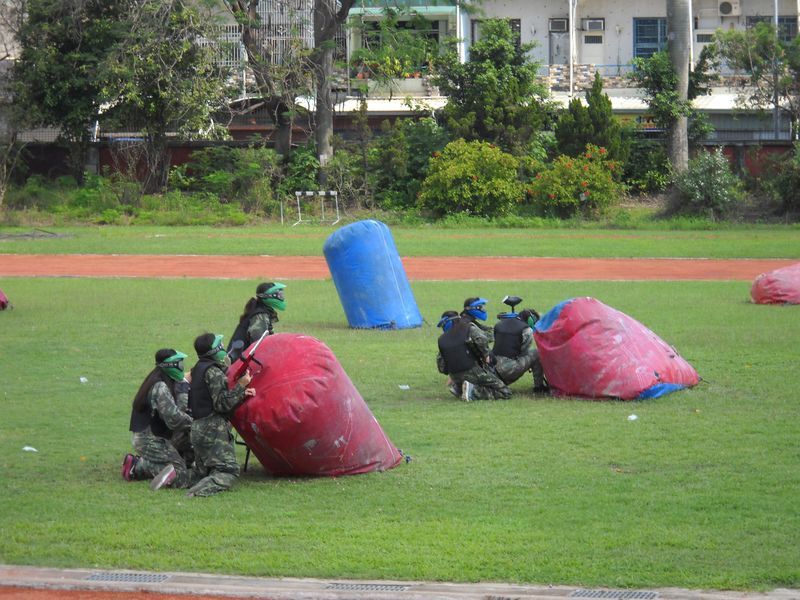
pixel 454 348
pixel 240 333
pixel 200 402
pixel 508 337
pixel 140 421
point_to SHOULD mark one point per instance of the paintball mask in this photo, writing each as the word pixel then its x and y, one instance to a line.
pixel 448 318
pixel 271 294
pixel 173 365
pixel 217 351
pixel 476 307
pixel 530 316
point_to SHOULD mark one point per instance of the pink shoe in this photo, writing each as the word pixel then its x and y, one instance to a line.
pixel 128 466
pixel 165 477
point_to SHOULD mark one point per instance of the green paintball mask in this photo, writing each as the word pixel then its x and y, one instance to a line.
pixel 217 351
pixel 173 366
pixel 271 294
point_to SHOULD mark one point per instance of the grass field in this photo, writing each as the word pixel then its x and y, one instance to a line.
pixel 700 491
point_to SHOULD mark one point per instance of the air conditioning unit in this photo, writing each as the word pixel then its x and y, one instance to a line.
pixel 729 8
pixel 593 24
pixel 559 25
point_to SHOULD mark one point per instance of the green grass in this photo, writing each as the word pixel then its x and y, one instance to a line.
pixel 699 492
pixel 725 242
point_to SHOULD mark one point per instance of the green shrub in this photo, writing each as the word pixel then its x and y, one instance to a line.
pixel 708 187
pixel 576 186
pixel 475 178
pixel 35 193
pixel 782 180
pixel 301 167
pixel 647 169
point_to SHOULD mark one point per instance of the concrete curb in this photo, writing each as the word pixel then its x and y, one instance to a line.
pixel 320 589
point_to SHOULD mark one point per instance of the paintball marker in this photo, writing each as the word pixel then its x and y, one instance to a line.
pixel 244 361
pixel 511 301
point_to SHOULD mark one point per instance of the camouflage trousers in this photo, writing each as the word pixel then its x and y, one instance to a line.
pixel 488 386
pixel 214 455
pixel 511 369
pixel 155 454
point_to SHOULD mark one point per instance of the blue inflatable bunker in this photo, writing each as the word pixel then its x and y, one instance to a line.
pixel 370 278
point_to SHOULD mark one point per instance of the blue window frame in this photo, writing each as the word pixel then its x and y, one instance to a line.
pixel 649 36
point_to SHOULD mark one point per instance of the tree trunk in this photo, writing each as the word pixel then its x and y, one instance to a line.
pixel 678 45
pixel 280 114
pixel 323 69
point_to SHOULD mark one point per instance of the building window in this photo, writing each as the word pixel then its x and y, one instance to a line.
pixel 593 39
pixel 787 25
pixel 649 36
pixel 515 24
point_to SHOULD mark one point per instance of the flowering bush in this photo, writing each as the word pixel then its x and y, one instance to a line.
pixel 582 185
pixel 475 178
pixel 708 187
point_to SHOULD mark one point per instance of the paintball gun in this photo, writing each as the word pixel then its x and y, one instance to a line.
pixel 244 361
pixel 511 301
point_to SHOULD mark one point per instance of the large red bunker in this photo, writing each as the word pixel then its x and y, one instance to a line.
pixel 781 286
pixel 590 349
pixel 307 418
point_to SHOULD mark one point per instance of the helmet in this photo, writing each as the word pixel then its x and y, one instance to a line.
pixel 447 320
pixel 476 307
pixel 271 294
pixel 171 362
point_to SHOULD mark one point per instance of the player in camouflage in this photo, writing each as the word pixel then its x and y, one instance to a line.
pixel 212 403
pixel 158 413
pixel 258 316
pixel 514 352
pixel 463 354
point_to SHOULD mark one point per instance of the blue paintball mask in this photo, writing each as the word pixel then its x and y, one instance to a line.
pixel 448 318
pixel 476 307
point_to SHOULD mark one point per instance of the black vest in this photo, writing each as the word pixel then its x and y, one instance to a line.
pixel 200 402
pixel 508 337
pixel 140 421
pixel 454 348
pixel 240 333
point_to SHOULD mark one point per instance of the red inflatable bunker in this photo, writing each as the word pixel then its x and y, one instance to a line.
pixel 307 418
pixel 781 286
pixel 592 350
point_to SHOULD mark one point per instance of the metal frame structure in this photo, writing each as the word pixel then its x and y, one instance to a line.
pixel 321 194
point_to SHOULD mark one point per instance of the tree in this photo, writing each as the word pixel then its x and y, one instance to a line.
pixel 327 21
pixel 57 77
pixel 160 79
pixel 10 150
pixel 656 76
pixel 494 96
pixel 591 124
pixel 679 33
pixel 772 67
pixel 280 65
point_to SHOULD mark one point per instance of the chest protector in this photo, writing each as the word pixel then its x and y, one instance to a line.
pixel 240 333
pixel 140 421
pixel 508 337
pixel 454 349
pixel 200 401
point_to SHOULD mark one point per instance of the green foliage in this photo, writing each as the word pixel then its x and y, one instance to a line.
pixel 300 168
pixel 394 47
pixel 782 180
pixel 475 178
pixel 243 175
pixel 771 64
pixel 576 186
pixel 708 187
pixel 647 169
pixel 592 124
pixel 494 96
pixel 59 77
pixel 398 160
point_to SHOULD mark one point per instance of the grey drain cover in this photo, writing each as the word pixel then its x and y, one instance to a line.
pixel 614 594
pixel 367 587
pixel 129 577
